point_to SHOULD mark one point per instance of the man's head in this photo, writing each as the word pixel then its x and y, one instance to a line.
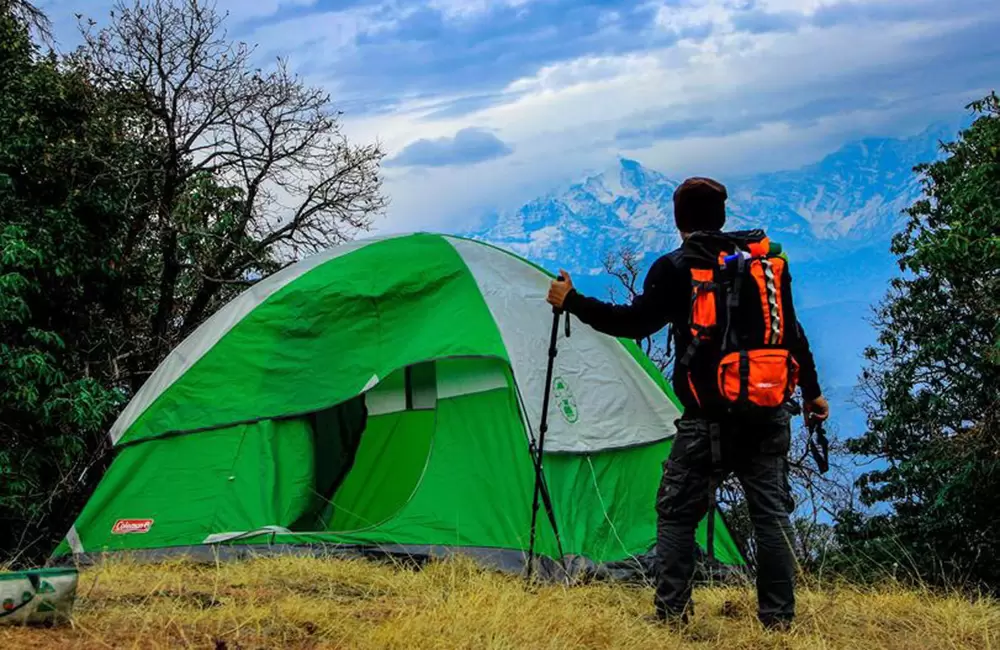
pixel 700 204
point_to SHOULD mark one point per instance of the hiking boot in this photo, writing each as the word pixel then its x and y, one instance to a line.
pixel 670 619
pixel 776 623
pixel 673 622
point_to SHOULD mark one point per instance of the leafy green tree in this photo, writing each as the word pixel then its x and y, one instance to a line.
pixel 933 379
pixel 145 180
pixel 63 213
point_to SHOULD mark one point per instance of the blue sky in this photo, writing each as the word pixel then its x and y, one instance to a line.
pixel 484 104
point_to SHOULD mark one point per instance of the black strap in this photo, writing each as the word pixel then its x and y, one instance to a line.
pixel 715 440
pixel 744 376
pixel 820 454
pixel 689 353
pixel 696 284
pixel 733 303
pixel 789 389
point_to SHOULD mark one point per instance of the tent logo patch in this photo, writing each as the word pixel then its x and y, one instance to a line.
pixel 565 401
pixel 128 526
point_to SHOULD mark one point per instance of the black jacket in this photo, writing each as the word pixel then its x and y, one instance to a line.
pixel 666 299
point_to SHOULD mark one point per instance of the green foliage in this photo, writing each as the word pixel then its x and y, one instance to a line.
pixel 932 378
pixel 145 180
pixel 62 214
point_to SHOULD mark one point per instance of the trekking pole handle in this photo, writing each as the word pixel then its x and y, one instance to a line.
pixel 557 310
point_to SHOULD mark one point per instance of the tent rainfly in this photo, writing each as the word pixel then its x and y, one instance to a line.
pixel 385 395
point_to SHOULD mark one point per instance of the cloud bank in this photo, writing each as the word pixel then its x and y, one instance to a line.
pixel 719 87
pixel 468 147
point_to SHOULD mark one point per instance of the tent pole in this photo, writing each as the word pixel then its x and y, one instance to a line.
pixel 542 428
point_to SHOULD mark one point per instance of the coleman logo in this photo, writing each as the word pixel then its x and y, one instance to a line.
pixel 126 526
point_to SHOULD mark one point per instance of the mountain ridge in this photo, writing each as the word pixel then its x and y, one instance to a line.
pixel 835 218
pixel 852 197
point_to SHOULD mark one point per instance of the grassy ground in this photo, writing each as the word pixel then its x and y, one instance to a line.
pixel 308 603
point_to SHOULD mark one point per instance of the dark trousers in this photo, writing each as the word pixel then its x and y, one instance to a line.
pixel 756 451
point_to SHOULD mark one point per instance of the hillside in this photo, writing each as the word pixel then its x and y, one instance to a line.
pixel 299 603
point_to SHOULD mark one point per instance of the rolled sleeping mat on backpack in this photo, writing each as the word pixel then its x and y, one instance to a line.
pixel 37 595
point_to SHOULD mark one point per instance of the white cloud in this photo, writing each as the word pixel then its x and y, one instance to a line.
pixel 465 9
pixel 584 70
pixel 677 16
pixel 565 117
pixel 562 118
pixel 323 36
pixel 802 6
pixel 241 10
pixel 62 13
pixel 238 10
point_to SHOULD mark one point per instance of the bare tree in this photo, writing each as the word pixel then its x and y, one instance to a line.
pixel 29 15
pixel 625 265
pixel 254 169
pixel 818 500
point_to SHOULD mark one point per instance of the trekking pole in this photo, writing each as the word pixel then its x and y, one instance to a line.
pixel 542 428
pixel 817 433
pixel 821 454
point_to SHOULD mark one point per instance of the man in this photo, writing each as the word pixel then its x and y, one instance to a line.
pixel 755 448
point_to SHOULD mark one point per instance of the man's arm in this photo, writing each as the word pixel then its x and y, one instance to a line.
pixel 648 313
pixel 808 377
pixel 798 344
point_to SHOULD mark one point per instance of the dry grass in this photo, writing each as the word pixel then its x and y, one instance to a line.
pixel 290 602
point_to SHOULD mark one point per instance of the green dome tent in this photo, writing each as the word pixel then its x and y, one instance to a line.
pixel 384 394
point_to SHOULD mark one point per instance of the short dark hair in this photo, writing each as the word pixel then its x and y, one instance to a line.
pixel 700 204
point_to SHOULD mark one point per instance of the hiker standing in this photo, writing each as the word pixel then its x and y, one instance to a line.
pixel 740 354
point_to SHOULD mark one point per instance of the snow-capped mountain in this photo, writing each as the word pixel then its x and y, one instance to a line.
pixel 850 197
pixel 853 197
pixel 590 218
pixel 834 217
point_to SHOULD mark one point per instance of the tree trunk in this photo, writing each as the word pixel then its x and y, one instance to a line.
pixel 168 276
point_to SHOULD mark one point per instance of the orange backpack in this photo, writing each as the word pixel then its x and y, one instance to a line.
pixel 737 322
